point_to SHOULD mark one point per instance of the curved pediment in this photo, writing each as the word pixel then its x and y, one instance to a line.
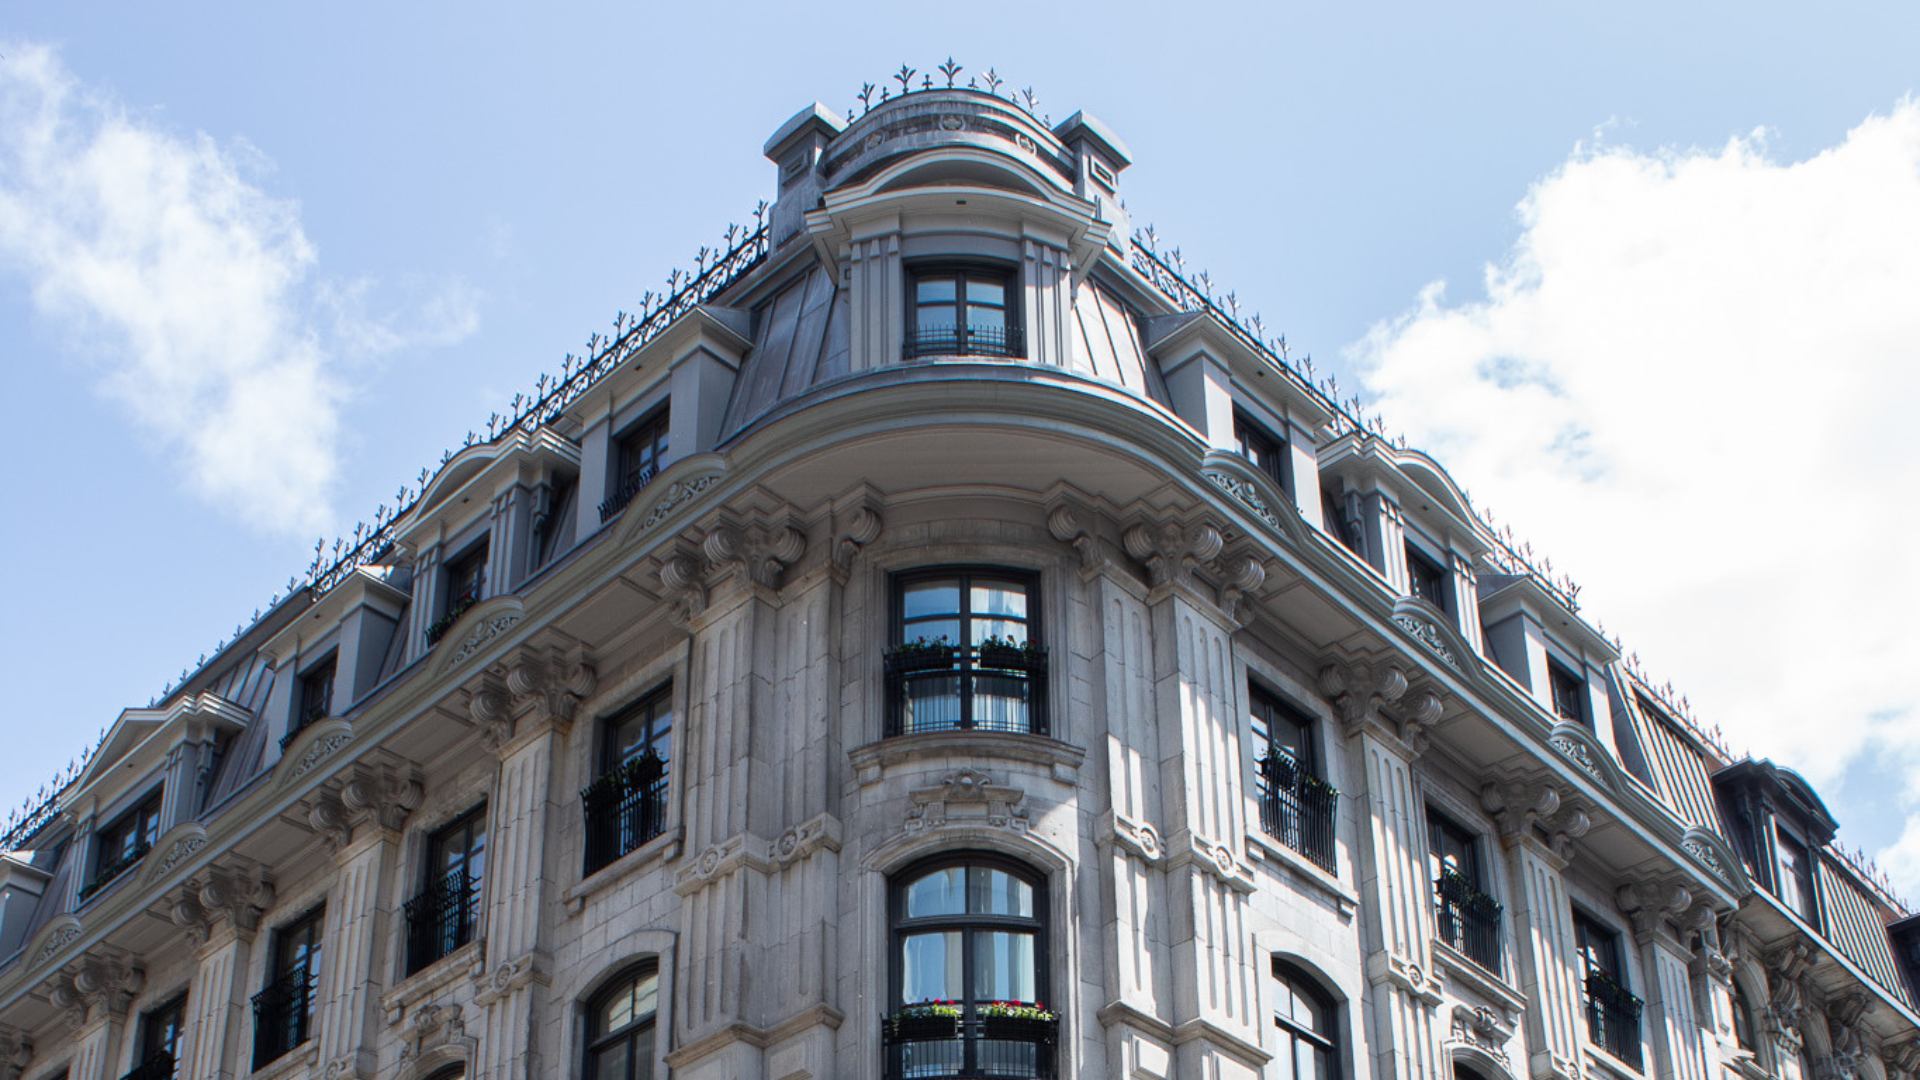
pixel 1588 754
pixel 310 749
pixel 478 626
pixel 175 847
pixel 678 486
pixel 1712 852
pixel 1256 493
pixel 60 932
pixel 1434 629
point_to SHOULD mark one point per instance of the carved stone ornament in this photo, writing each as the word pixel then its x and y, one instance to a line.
pixel 1480 1027
pixel 678 494
pixel 1171 552
pixel 814 834
pixel 1577 753
pixel 484 632
pixel 862 528
pixel 97 986
pixel 237 893
pixel 1650 904
pixel 1363 693
pixel 967 797
pixel 1427 632
pixel 320 751
pixel 761 554
pixel 383 793
pixel 433 1026
pixel 1067 524
pixel 952 122
pixel 16 1053
pixel 681 576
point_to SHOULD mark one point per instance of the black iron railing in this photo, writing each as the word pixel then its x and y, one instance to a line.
pixel 1613 1017
pixel 624 494
pixel 111 871
pixel 1296 807
pixel 439 627
pixel 991 688
pixel 624 809
pixel 157 1067
pixel 441 918
pixel 1004 341
pixel 283 1014
pixel 988 1048
pixel 1467 919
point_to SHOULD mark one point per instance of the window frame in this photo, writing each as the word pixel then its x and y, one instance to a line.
pixel 315 688
pixel 965 663
pixel 1293 816
pixel 470 563
pixel 173 1009
pixel 1562 676
pixel 627 804
pixel 962 343
pixel 139 824
pixel 1422 567
pixel 1588 951
pixel 433 940
pixel 1805 883
pixel 1484 947
pixel 591 1044
pixel 282 965
pixel 1278 467
pixel 1326 1044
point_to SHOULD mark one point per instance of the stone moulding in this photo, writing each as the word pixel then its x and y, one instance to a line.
pixel 678 486
pixel 1712 853
pixel 311 749
pixel 1436 634
pixel 482 625
pixel 1256 492
pixel 60 932
pixel 176 847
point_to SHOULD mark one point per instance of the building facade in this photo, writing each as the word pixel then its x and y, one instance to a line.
pixel 937 639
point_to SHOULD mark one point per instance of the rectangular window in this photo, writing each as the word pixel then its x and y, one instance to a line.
pixel 1464 915
pixel 124 843
pixel 283 1012
pixel 1263 449
pixel 316 693
pixel 962 313
pixel 638 456
pixel 466 578
pixel 1613 1013
pixel 1795 878
pixel 160 1031
pixel 967 654
pixel 1426 579
pixel 1296 805
pixel 1569 693
pixel 627 805
pixel 442 918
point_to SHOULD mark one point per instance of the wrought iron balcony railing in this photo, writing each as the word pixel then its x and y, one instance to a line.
pixel 1001 341
pixel 1613 1017
pixel 1467 919
pixel 441 918
pixel 985 1048
pixel 624 809
pixel 283 1014
pixel 935 687
pixel 624 494
pixel 1296 807
pixel 111 871
pixel 157 1067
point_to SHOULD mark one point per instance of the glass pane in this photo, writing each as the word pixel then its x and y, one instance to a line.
pixel 617 1012
pixel 985 318
pixel 994 598
pixel 646 996
pixel 996 892
pixel 932 703
pixel 1014 630
pixel 609 1063
pixel 1003 966
pixel 935 317
pixel 643 1055
pixel 986 291
pixel 923 598
pixel 930 967
pixel 939 893
pixel 932 630
pixel 1000 703
pixel 935 289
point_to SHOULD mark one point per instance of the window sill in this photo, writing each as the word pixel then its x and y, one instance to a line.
pixel 1265 849
pixel 663 848
pixel 1608 1065
pixel 304 1056
pixel 870 762
pixel 422 984
pixel 1462 969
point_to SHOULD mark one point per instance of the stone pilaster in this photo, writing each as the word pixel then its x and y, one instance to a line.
pixel 879 304
pixel 1679 1052
pixel 217 1002
pixel 1047 302
pixel 1543 921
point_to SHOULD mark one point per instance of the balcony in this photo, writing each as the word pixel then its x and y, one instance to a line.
pixel 283 1014
pixel 1005 342
pixel 441 918
pixel 157 1067
pixel 1613 1017
pixel 1296 807
pixel 624 494
pixel 995 687
pixel 984 1048
pixel 624 809
pixel 111 872
pixel 1467 919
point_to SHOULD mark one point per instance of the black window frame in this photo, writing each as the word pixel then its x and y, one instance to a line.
pixel 1006 342
pixel 625 807
pixel 1297 805
pixel 1613 1011
pixel 1466 916
pixel 595 1042
pixel 445 915
pixel 314 692
pixel 636 456
pixel 1428 579
pixel 120 844
pixel 917 663
pixel 1803 884
pixel 1325 1045
pixel 161 1030
pixel 977 1046
pixel 1568 689
pixel 1266 451
pixel 465 576
pixel 283 1010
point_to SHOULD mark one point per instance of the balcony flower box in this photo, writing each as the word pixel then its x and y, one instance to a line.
pixel 1017 1021
pixel 919 656
pixel 928 1021
pixel 999 654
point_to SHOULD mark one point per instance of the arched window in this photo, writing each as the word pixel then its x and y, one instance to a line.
pixel 1305 1016
pixel 969 971
pixel 620 1027
pixel 1743 1029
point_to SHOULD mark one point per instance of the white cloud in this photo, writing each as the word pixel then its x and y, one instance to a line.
pixel 188 287
pixel 1693 381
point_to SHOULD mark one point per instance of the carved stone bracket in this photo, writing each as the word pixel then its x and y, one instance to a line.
pixel 433 1027
pixel 1363 694
pixel 967 797
pixel 820 832
pixel 1789 990
pixel 383 793
pixel 1138 837
pixel 16 1053
pixel 1172 552
pixel 862 528
pixel 1902 1059
pixel 238 893
pixel 509 976
pixel 1516 806
pixel 1648 905
pixel 1067 523
pixel 761 554
pixel 681 575
pixel 97 985
pixel 1241 575
pixel 1710 957
pixel 1846 1023
pixel 1480 1027
pixel 1391 967
pixel 551 682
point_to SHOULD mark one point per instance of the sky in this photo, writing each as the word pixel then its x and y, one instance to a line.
pixel 1644 279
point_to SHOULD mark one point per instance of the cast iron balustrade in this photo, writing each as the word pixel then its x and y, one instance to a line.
pixel 624 494
pixel 1002 341
pixel 157 1067
pixel 1613 1017
pixel 984 1048
pixel 1467 919
pixel 624 809
pixel 111 872
pixel 441 918
pixel 992 688
pixel 283 1015
pixel 1296 807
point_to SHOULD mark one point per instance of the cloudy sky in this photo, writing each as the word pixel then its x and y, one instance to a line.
pixel 1644 279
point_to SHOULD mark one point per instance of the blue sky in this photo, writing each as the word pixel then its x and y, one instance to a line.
pixel 259 265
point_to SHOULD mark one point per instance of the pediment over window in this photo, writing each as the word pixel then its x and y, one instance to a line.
pixel 145 736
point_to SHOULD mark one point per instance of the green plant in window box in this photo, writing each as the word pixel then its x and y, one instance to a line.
pixel 1004 654
pixel 1016 1021
pixel 1016 1010
pixel 921 655
pixel 438 629
pixel 924 1021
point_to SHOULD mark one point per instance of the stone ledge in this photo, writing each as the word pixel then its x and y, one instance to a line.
pixel 871 762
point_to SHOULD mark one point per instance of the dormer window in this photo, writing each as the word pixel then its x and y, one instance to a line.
pixel 123 843
pixel 1794 879
pixel 316 693
pixel 1426 579
pixel 1569 693
pixel 1262 448
pixel 962 313
pixel 467 578
pixel 638 457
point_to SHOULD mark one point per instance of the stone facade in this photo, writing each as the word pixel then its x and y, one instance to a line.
pixel 942 600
